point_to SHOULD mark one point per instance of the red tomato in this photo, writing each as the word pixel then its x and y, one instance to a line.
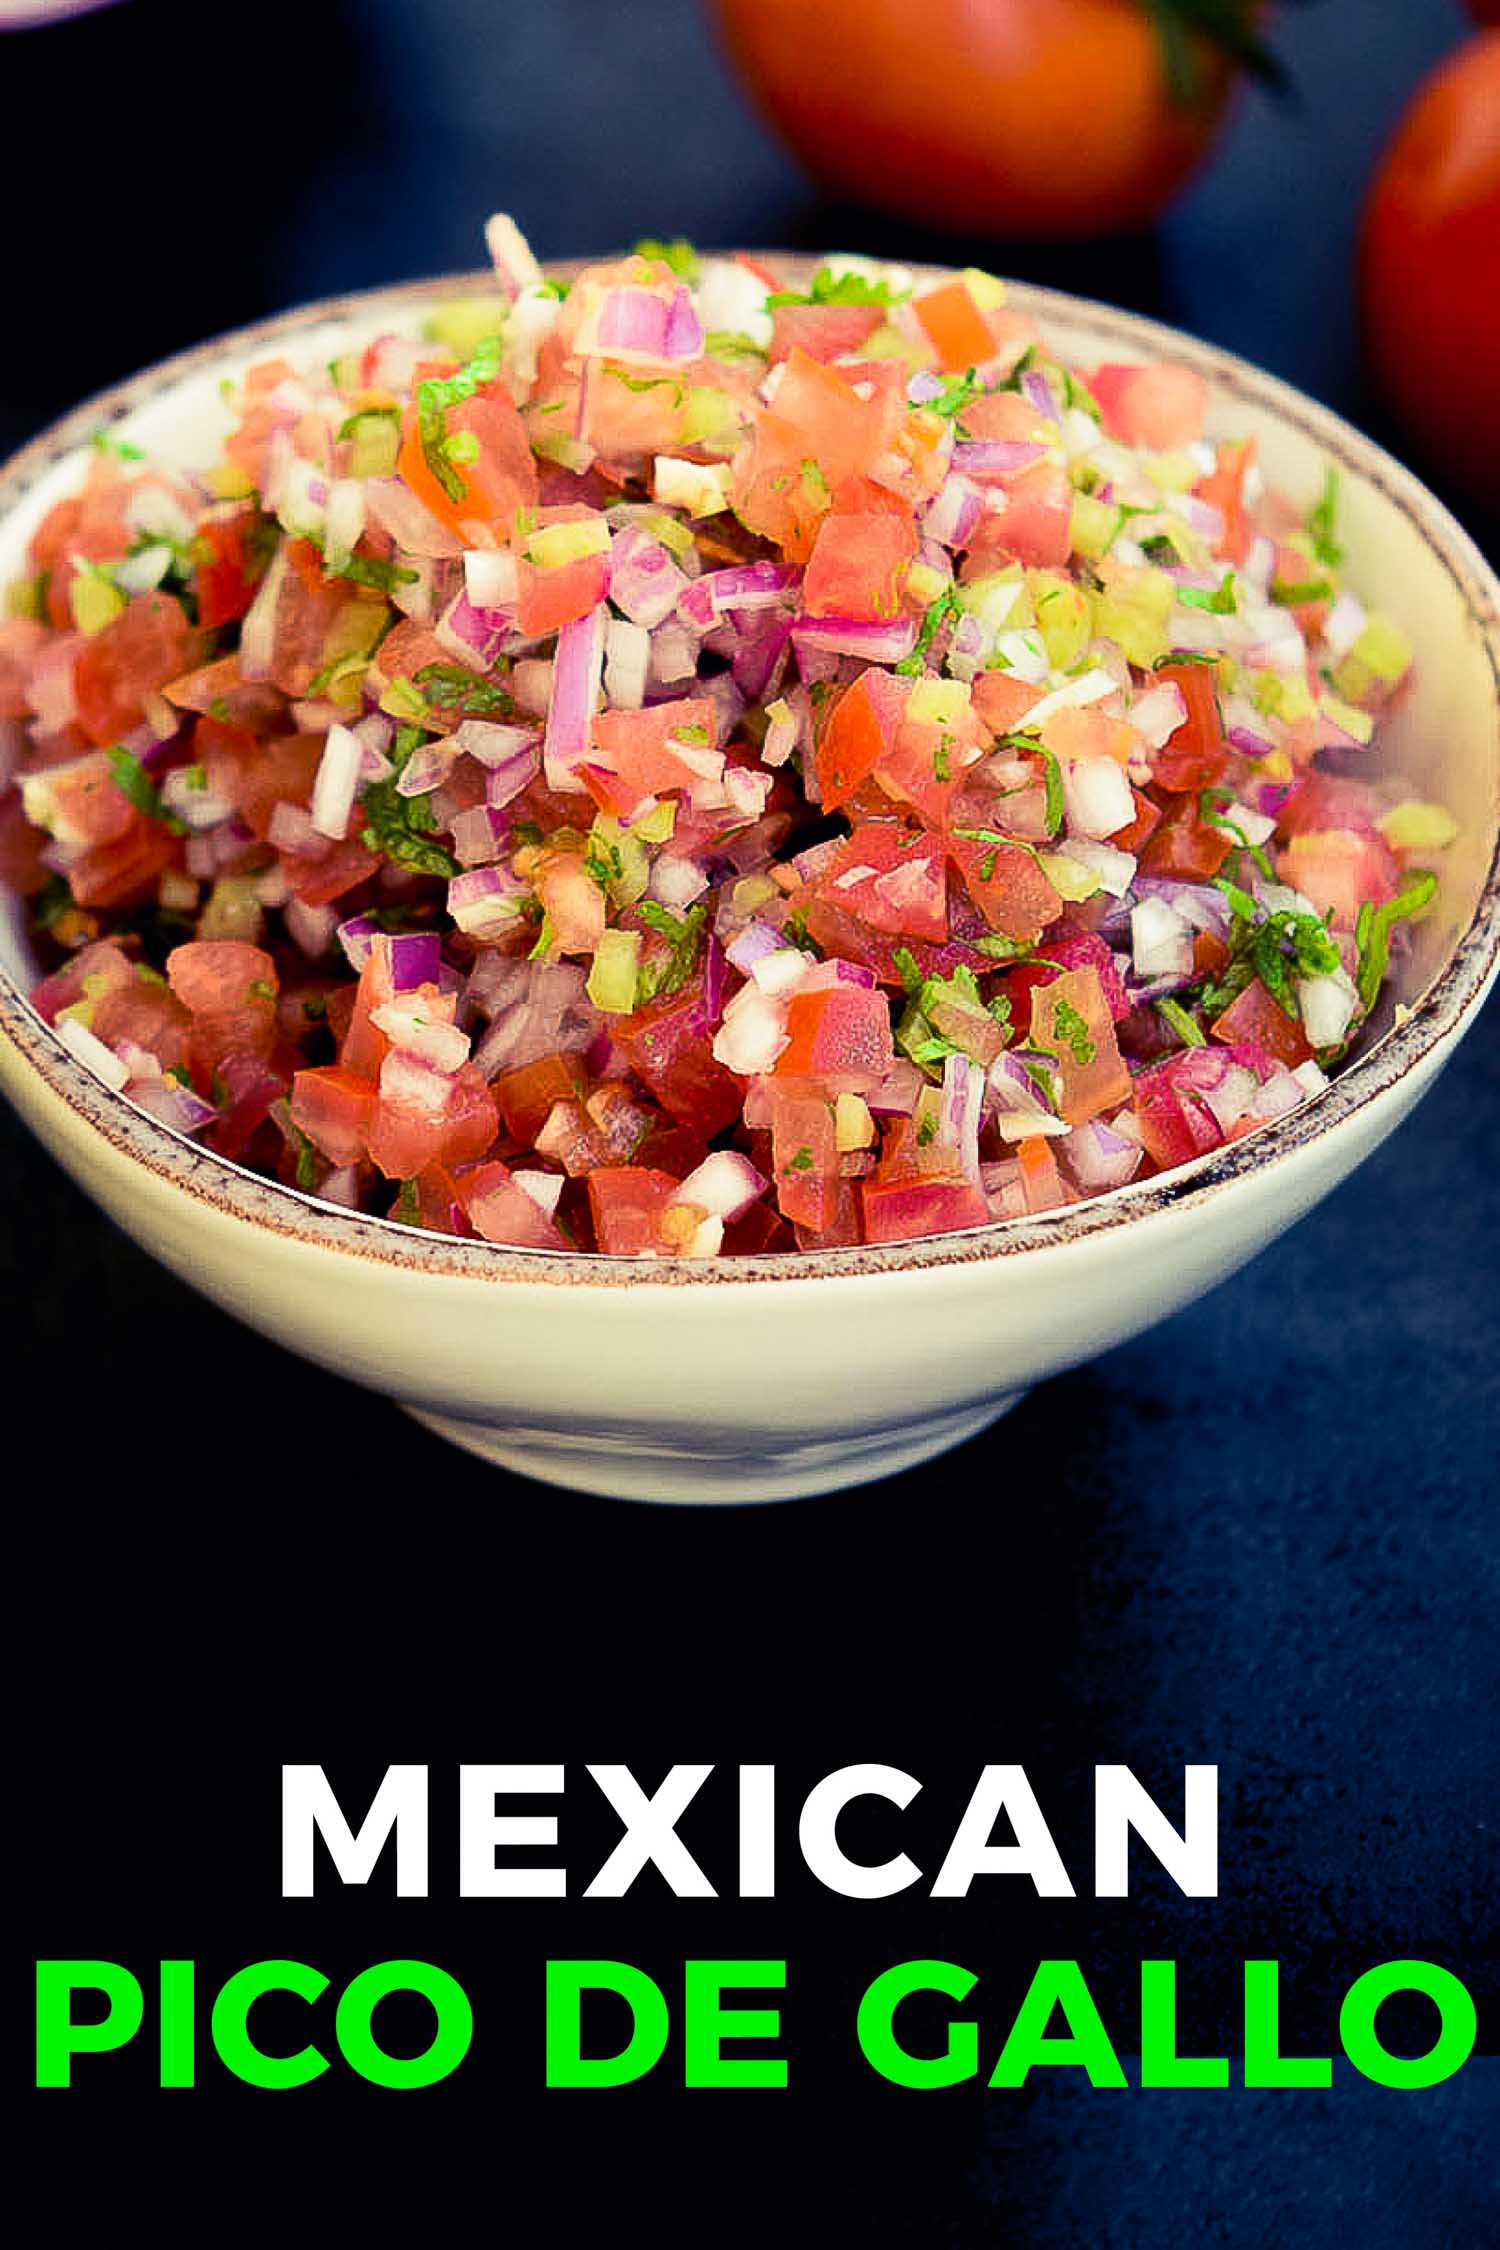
pixel 403 1140
pixel 333 1107
pixel 147 1014
pixel 669 1046
pixel 854 737
pixel 148 644
pixel 1257 1015
pixel 804 1159
pixel 1071 1018
pixel 823 332
pixel 1430 266
pixel 1196 755
pixel 1184 845
pixel 894 879
pixel 526 1096
pixel 858 566
pixel 1022 117
pixel 225 579
pixel 503 1212
pixel 1036 527
pixel 639 745
pixel 842 1035
pixel 501 480
pixel 895 1210
pixel 956 328
pixel 1339 871
pixel 1224 488
pixel 628 1202
pixel 1160 407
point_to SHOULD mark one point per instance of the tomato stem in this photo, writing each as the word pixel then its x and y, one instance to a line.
pixel 1184 27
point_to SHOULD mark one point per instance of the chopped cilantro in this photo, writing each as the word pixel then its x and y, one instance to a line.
pixel 51 903
pixel 1289 592
pixel 406 1208
pixel 940 760
pixel 830 288
pixel 946 605
pixel 132 780
pixel 731 343
pixel 1074 1033
pixel 603 863
pixel 403 827
pixel 926 1130
pixel 1321 523
pixel 801 1162
pixel 1186 1026
pixel 363 570
pixel 1277 949
pixel 121 448
pixel 906 968
pixel 1211 807
pixel 684 936
pixel 1372 933
pixel 307 1160
pixel 955 395
pixel 1222 602
pixel 679 254
pixel 435 400
pixel 446 686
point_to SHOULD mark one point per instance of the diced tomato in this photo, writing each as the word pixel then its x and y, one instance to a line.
pixel 1138 832
pixel 404 1138
pixel 1185 845
pixel 1325 800
pixel 22 640
pixel 956 328
pixel 669 1046
pixel 1081 949
pixel 229 988
pixel 1257 1015
pixel 120 872
pixel 502 1211
pixel 228 569
pixel 333 1107
pixel 88 807
pixel 1090 734
pixel 1041 1182
pixel 822 332
pixel 1035 528
pixel 1007 415
pixel 898 1210
pixel 858 566
pixel 318 619
pixel 439 1201
pixel 857 732
pixel 841 1035
pixel 1196 755
pixel 550 598
pixel 1002 701
pixel 342 868
pixel 653 751
pixel 1160 407
pixel 1071 1019
pixel 148 1015
pixel 149 643
pixel 893 878
pixel 94 971
pixel 1006 885
pixel 628 1202
pixel 247 1087
pixel 804 1159
pixel 525 1096
pixel 1224 488
pixel 845 1228
pixel 22 869
pixel 501 480
pixel 1339 871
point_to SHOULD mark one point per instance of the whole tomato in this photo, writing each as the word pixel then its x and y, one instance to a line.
pixel 1014 117
pixel 1430 266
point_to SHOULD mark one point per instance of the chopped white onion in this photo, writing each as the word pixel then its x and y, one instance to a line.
pixel 92 1053
pixel 1161 941
pixel 337 779
pixel 627 661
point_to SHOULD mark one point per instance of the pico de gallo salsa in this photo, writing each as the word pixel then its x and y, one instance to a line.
pixel 686 763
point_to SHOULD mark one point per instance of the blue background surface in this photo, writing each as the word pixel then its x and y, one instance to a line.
pixel 1263 1535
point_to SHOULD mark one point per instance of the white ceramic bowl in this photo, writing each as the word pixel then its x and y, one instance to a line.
pixel 766 1378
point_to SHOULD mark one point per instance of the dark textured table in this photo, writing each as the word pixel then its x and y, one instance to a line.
pixel 1263 1535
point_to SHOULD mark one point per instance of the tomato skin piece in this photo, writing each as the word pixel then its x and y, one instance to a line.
pixel 1257 1015
pixel 119 872
pixel 858 566
pixel 628 1202
pixel 1006 885
pixel 637 745
pixel 1224 488
pixel 550 598
pixel 1196 755
pixel 1082 949
pixel 1036 528
pixel 403 1142
pixel 1041 1181
pixel 333 1106
pixel 1002 701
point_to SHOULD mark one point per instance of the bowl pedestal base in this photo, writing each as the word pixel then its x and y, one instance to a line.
pixel 723 1468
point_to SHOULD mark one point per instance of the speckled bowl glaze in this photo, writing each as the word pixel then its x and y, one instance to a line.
pixel 766 1378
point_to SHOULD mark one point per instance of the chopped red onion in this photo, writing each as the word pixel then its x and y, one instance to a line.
pixel 492 580
pixel 337 777
pixel 752 944
pixel 1201 905
pixel 951 517
pixel 356 937
pixel 962 1108
pixel 1342 627
pixel 995 457
pixel 882 641
pixel 485 901
pixel 291 829
pixel 479 835
pixel 725 1185
pixel 644 582
pixel 1041 394
pixel 753 1032
pixel 627 663
pixel 1100 1157
pixel 474 636
pixel 747 586
pixel 576 676
pixel 1161 940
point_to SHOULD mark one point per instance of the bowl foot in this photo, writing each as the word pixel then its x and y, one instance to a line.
pixel 725 1466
